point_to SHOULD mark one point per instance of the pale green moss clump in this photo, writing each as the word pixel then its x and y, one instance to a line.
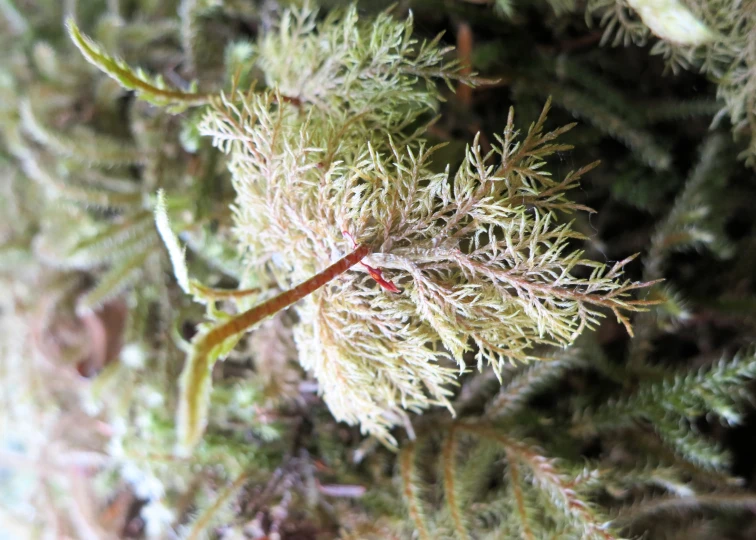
pixel 480 256
pixel 331 152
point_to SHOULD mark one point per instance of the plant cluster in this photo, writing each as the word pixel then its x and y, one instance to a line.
pixel 446 368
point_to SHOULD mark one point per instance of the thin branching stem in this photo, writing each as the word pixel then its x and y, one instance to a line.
pixel 207 347
pixel 547 476
pixel 126 76
pixel 203 521
pixel 411 495
pixel 252 316
pixel 514 475
pixel 450 484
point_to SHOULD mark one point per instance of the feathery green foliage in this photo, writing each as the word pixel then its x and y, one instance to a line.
pixel 539 492
pixel 480 257
pixel 533 481
pixel 463 249
pixel 674 399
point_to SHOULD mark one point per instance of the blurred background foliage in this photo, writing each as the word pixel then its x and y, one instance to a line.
pixel 614 438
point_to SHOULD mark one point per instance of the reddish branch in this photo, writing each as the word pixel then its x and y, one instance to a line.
pixel 245 320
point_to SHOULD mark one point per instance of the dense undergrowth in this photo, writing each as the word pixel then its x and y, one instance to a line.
pixel 457 252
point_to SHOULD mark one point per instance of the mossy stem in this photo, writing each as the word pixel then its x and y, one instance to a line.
pixel 252 316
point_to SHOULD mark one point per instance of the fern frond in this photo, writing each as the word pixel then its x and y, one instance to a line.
pixel 696 477
pixel 581 516
pixel 368 68
pixel 584 519
pixel 669 401
pixel 438 260
pixel 480 256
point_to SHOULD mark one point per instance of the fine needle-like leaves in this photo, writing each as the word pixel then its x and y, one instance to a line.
pixel 481 257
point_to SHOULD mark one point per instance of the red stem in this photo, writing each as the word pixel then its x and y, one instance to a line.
pixel 254 315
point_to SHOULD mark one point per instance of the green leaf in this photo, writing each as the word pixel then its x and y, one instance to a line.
pixel 151 89
pixel 176 253
pixel 195 386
